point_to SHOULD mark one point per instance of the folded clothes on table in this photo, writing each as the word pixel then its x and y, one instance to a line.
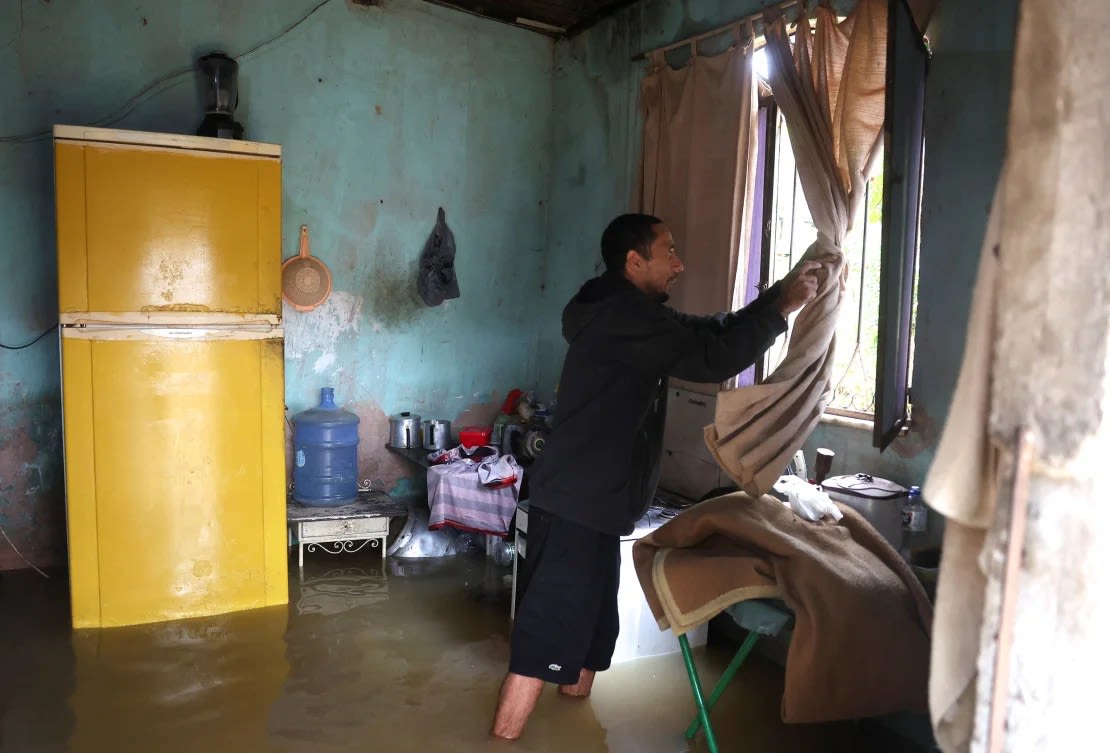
pixel 473 495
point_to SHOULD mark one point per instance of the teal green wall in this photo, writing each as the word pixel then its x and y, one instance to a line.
pixel 596 138
pixel 384 114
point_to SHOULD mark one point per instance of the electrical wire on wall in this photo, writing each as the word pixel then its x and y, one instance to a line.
pixel 20 555
pixel 162 83
pixel 46 332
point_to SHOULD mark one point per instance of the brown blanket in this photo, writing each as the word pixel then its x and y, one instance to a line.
pixel 861 637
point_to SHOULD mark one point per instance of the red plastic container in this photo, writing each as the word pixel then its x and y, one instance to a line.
pixel 475 436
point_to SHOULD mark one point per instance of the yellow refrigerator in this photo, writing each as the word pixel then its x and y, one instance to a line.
pixel 169 275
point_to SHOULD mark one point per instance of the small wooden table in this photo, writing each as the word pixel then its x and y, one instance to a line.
pixel 345 528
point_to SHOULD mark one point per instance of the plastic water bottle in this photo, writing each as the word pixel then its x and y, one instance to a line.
pixel 914 512
pixel 325 454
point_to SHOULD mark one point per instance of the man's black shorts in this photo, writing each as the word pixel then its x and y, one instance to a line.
pixel 566 619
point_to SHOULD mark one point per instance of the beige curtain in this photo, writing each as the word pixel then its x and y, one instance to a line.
pixel 698 166
pixel 963 486
pixel 831 91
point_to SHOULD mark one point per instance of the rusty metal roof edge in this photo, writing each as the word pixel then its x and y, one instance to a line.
pixel 498 19
pixel 545 27
pixel 598 16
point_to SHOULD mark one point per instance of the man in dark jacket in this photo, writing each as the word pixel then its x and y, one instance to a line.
pixel 599 469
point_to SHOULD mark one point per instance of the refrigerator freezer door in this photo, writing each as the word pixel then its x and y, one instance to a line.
pixel 174 474
pixel 144 228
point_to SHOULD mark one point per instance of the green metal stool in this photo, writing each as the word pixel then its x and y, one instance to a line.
pixel 758 617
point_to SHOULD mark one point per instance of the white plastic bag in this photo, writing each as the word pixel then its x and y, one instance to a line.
pixel 807 500
pixel 499 471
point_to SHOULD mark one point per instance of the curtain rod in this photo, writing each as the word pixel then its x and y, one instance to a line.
pixel 719 30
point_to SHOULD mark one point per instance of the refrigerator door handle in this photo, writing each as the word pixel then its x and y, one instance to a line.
pixel 158 319
pixel 170 329
pixel 256 331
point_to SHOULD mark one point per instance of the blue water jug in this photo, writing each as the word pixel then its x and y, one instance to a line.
pixel 325 454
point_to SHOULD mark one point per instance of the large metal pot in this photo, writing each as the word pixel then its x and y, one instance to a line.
pixel 878 500
pixel 404 430
pixel 437 434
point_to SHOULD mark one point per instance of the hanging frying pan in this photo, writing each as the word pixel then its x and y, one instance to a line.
pixel 305 280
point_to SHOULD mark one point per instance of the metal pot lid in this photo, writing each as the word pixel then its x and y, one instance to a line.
pixel 864 485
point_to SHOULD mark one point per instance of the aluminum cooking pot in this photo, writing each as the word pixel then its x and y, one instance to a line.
pixel 404 430
pixel 437 434
pixel 878 500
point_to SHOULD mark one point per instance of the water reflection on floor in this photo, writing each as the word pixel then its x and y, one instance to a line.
pixel 363 659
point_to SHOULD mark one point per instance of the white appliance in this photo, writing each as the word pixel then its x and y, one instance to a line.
pixel 640 636
pixel 686 467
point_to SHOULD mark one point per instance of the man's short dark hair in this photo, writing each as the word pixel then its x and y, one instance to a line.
pixel 629 232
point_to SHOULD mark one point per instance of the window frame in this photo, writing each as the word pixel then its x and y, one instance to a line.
pixel 903 160
pixel 769 110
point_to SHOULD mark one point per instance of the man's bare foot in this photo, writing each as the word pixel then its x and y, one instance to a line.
pixel 515 704
pixel 582 688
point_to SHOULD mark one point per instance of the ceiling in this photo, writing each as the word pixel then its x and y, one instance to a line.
pixel 557 18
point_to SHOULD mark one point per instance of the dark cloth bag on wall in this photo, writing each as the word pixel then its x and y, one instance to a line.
pixel 437 281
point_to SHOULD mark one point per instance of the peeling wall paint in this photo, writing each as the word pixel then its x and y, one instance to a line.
pixel 384 114
pixel 317 332
pixel 596 137
pixel 1050 377
pixel 31 509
